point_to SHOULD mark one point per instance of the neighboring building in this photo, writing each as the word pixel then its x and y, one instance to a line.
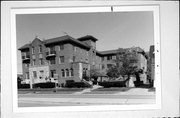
pixel 65 58
pixel 109 57
pixel 151 63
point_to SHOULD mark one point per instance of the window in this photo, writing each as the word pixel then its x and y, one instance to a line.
pixel 51 50
pixel 40 61
pixel 52 61
pixel 33 50
pixel 61 47
pixel 40 48
pixel 61 59
pixel 74 48
pixel 81 59
pixel 34 74
pixel 41 74
pixel 67 72
pixel 109 65
pixel 72 72
pixel 23 55
pixel 103 66
pixel 74 58
pixel 26 64
pixel 84 71
pixel 109 57
pixel 63 73
pixel 52 73
pixel 48 49
pixel 102 58
pixel 86 60
pixel 27 75
pixel 33 62
pixel 113 57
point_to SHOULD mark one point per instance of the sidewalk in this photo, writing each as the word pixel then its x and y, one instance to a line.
pixel 137 91
pixel 130 91
pixel 89 96
pixel 83 101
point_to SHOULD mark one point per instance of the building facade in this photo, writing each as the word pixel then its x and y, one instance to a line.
pixel 65 58
pixel 151 64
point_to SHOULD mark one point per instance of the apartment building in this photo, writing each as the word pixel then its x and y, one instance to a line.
pixel 151 63
pixel 109 59
pixel 64 58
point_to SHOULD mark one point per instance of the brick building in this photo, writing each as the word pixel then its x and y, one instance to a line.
pixel 151 63
pixel 65 58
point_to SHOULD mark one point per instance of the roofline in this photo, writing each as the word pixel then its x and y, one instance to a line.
pixel 87 37
pixel 22 48
pixel 69 39
pixel 114 52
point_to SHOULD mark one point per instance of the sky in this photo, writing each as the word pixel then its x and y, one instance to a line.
pixel 113 30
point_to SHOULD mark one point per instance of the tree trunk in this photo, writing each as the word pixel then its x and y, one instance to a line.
pixel 127 81
pixel 127 78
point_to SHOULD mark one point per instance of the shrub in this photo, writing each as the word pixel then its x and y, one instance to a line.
pixel 72 84
pixel 138 83
pixel 45 85
pixel 108 84
pixel 23 86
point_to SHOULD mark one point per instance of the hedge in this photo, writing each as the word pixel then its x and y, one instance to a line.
pixel 23 86
pixel 138 83
pixel 44 85
pixel 107 84
pixel 73 84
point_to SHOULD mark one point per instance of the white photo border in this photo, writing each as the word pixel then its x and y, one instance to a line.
pixel 153 8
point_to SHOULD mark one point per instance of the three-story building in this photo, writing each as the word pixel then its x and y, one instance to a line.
pixel 64 58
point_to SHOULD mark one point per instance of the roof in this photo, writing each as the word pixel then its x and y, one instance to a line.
pixel 28 45
pixel 24 47
pixel 98 53
pixel 65 38
pixel 108 52
pixel 87 37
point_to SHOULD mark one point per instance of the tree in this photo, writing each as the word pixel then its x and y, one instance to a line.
pixel 19 81
pixel 113 72
pixel 126 62
pixel 95 73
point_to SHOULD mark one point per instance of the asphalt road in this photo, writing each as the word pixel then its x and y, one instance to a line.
pixel 39 100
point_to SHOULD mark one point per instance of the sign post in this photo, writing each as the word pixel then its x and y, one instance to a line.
pixel 56 78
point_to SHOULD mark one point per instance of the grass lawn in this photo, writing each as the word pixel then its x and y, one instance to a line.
pixel 111 90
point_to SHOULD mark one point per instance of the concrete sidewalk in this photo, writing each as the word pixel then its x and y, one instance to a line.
pixel 136 91
pixel 84 97
pixel 131 91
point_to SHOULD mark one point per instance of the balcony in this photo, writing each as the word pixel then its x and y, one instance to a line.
pixel 50 53
pixel 26 57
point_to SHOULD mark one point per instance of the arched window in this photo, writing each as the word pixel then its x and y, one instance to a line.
pixel 67 72
pixel 72 72
pixel 63 73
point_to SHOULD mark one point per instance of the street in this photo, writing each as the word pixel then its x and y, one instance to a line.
pixel 74 99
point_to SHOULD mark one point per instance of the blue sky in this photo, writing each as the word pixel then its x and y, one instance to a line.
pixel 113 30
